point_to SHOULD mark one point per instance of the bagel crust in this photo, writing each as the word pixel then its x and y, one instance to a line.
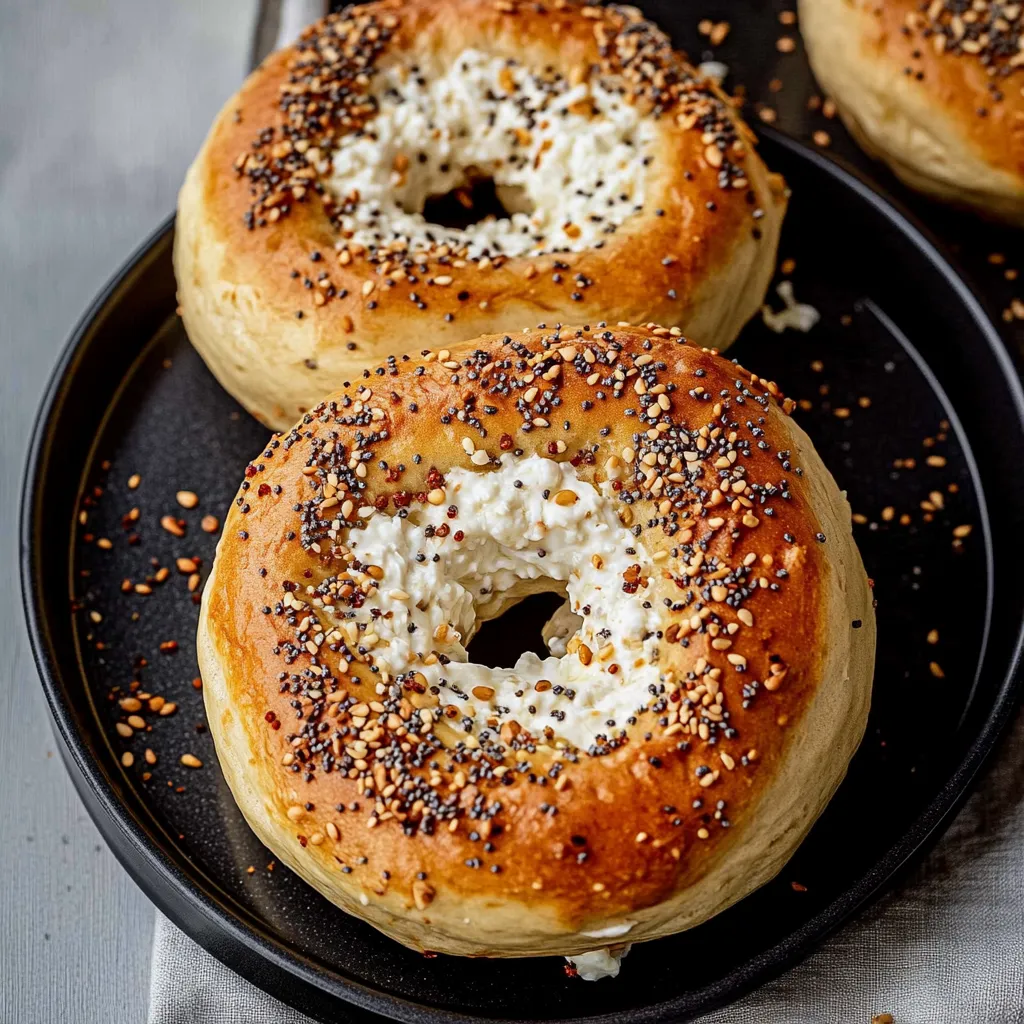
pixel 284 301
pixel 431 815
pixel 933 88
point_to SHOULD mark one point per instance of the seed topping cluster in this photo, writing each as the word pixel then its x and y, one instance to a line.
pixel 990 31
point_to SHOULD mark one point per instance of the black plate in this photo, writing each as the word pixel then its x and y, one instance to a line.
pixel 906 350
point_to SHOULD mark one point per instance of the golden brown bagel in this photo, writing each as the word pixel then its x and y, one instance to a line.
pixel 933 88
pixel 421 793
pixel 288 275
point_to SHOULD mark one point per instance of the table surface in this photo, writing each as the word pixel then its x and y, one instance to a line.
pixel 101 117
pixel 91 156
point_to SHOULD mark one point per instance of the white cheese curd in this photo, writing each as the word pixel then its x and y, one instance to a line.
pixel 602 963
pixel 569 162
pixel 797 316
pixel 515 540
pixel 613 931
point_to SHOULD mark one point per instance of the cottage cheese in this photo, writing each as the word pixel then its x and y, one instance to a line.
pixel 797 316
pixel 570 162
pixel 516 541
pixel 601 963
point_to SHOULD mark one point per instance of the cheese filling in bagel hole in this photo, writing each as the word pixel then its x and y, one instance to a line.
pixel 528 527
pixel 567 163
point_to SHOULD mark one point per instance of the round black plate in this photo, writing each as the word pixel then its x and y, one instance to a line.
pixel 903 370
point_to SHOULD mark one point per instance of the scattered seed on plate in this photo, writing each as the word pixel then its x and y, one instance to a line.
pixel 173 526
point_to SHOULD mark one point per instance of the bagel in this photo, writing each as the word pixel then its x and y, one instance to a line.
pixel 631 188
pixel 933 89
pixel 718 641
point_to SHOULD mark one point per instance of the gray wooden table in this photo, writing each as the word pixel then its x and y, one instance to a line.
pixel 104 103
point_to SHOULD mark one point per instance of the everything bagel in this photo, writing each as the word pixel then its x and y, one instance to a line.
pixel 628 188
pixel 717 642
pixel 933 89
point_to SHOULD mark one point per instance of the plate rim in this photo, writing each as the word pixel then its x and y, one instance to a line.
pixel 171 889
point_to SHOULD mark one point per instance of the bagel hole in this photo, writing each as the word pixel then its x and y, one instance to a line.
pixel 478 198
pixel 499 642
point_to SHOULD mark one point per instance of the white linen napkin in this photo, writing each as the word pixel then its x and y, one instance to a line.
pixel 947 947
